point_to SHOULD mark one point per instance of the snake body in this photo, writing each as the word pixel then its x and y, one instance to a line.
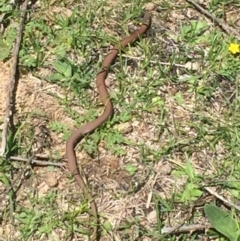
pixel 108 111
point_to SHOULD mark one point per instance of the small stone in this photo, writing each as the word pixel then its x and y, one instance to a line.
pixel 192 65
pixel 164 167
pixel 152 217
pixel 149 6
pixel 51 181
pixel 43 188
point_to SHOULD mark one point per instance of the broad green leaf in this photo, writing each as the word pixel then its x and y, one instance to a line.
pixel 107 225
pixel 56 77
pixel 193 30
pixel 68 71
pixel 64 69
pixel 5 8
pixel 222 221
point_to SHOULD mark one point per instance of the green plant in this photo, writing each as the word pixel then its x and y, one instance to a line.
pixel 223 222
pixel 59 128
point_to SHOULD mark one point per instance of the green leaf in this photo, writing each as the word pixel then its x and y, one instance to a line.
pixel 5 8
pixel 191 192
pixel 29 61
pixel 107 226
pixel 189 170
pixel 124 117
pixel 157 101
pixel 45 229
pixel 4 179
pixel 4 49
pixel 131 169
pixel 194 29
pixel 179 98
pixel 56 77
pixel 64 69
pixel 68 71
pixel 222 221
pixel 3 44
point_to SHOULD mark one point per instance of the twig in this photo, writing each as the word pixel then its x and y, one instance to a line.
pixel 227 202
pixel 38 162
pixel 184 228
pixel 229 30
pixel 29 161
pixel 12 79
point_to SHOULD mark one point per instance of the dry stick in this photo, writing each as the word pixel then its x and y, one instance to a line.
pixel 183 229
pixel 12 79
pixel 29 161
pixel 38 162
pixel 227 202
pixel 229 30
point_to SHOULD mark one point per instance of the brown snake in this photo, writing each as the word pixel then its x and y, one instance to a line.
pixel 108 111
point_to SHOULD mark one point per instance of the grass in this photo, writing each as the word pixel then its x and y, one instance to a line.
pixel 175 130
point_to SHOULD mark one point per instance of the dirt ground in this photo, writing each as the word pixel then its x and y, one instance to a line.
pixel 36 106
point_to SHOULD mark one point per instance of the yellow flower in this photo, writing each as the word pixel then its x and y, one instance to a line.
pixel 234 48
